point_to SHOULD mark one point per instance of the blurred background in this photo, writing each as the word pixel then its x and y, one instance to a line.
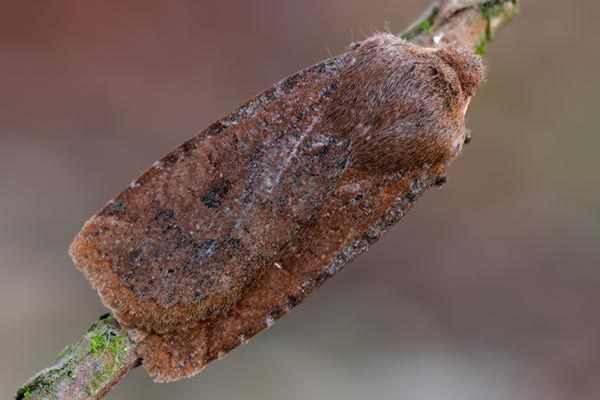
pixel 489 288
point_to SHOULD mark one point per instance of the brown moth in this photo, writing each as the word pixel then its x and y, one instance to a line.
pixel 230 231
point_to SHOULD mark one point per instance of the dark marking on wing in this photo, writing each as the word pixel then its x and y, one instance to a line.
pixel 214 198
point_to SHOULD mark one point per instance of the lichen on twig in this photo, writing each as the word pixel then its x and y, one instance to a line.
pixel 88 368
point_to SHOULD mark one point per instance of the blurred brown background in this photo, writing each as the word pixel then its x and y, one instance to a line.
pixel 489 289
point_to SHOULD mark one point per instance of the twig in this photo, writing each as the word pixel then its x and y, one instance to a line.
pixel 104 355
pixel 89 368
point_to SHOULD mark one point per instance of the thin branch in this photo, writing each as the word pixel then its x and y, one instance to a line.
pixel 106 353
pixel 89 368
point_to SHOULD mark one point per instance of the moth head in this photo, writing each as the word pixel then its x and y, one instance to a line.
pixel 404 105
pixel 468 67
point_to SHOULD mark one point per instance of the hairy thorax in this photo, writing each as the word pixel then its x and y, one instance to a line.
pixel 404 105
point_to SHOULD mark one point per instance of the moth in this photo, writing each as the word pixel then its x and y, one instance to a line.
pixel 233 229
